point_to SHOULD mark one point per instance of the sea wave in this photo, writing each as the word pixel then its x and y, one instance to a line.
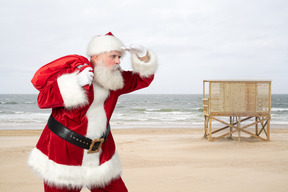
pixel 8 103
pixel 22 110
pixel 17 103
pixel 279 109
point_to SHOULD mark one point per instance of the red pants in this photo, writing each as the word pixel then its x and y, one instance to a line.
pixel 115 186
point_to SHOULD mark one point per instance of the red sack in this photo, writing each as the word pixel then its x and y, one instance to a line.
pixel 49 73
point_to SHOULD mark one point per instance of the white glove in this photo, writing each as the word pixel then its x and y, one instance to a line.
pixel 137 49
pixel 85 77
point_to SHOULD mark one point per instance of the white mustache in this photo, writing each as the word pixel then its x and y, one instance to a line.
pixel 116 67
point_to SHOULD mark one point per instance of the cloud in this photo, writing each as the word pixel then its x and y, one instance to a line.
pixel 194 40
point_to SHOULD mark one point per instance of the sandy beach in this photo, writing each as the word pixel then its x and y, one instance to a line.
pixel 166 160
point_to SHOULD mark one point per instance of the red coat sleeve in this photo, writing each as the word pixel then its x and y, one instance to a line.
pixel 133 81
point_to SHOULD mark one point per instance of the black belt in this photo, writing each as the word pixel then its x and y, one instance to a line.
pixel 93 146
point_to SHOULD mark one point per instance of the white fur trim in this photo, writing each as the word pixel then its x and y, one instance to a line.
pixel 97 121
pixel 72 93
pixel 104 43
pixel 74 176
pixel 145 69
pixel 96 114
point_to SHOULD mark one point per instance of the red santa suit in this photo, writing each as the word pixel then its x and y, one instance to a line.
pixel 86 112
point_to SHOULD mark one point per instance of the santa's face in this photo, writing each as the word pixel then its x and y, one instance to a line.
pixel 109 59
pixel 107 71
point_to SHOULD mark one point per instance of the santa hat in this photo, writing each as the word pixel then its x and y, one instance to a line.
pixel 104 43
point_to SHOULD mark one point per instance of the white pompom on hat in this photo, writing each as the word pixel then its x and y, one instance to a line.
pixel 104 43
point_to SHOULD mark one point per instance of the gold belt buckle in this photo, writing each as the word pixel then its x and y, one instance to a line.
pixel 101 140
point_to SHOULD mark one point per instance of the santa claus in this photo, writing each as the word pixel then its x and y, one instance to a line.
pixel 76 147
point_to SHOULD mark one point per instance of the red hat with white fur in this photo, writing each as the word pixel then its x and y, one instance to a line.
pixel 104 43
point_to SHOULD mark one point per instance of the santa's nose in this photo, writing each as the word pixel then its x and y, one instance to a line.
pixel 117 61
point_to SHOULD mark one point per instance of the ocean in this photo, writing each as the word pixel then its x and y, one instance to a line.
pixel 19 111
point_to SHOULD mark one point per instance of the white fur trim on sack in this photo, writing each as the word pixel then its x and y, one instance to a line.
pixel 145 69
pixel 74 176
pixel 72 93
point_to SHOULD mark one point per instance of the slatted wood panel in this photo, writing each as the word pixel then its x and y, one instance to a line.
pixel 239 98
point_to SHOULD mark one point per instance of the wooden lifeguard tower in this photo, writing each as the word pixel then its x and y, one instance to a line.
pixel 238 105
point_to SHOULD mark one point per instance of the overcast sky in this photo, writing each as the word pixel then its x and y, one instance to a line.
pixel 194 39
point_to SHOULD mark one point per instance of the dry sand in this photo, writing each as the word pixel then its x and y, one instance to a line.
pixel 168 160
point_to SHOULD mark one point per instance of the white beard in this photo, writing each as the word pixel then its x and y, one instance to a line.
pixel 109 78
